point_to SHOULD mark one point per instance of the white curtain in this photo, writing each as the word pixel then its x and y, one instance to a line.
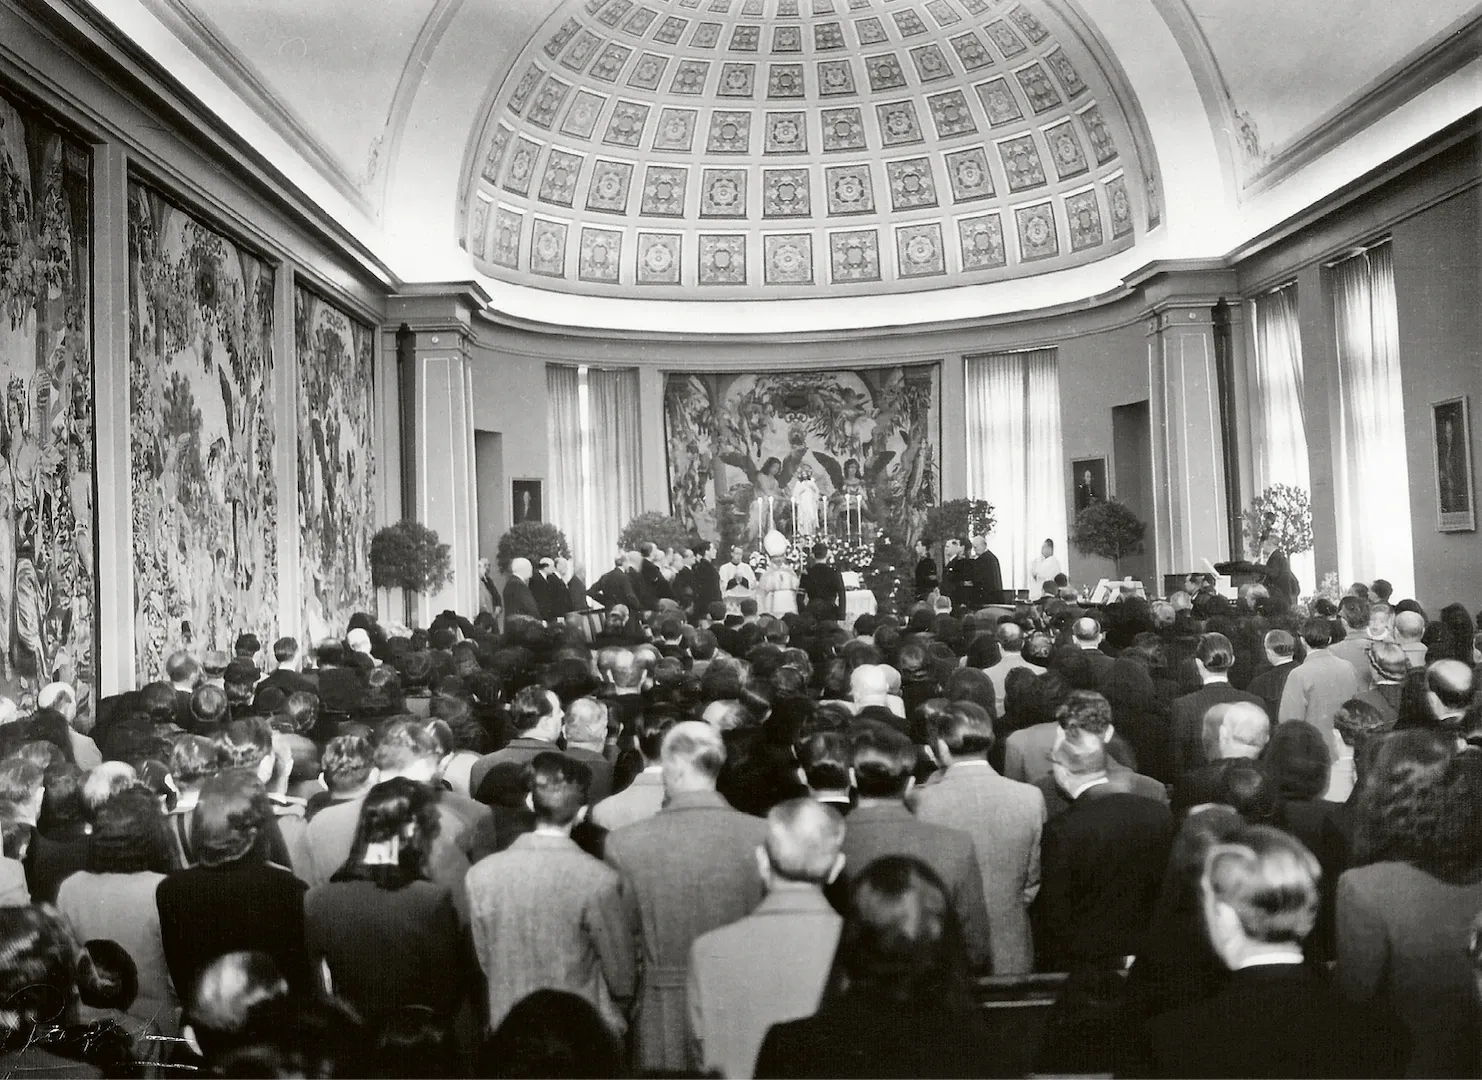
pixel 1014 454
pixel 1373 479
pixel 564 441
pixel 595 474
pixel 1280 442
pixel 613 473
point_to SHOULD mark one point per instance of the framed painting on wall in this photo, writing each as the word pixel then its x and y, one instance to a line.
pixel 525 501
pixel 1451 454
pixel 1088 479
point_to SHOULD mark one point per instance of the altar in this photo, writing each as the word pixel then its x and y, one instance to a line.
pixel 857 600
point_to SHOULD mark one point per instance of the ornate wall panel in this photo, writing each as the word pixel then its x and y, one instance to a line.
pixel 48 586
pixel 205 502
pixel 336 462
pixel 886 129
pixel 736 441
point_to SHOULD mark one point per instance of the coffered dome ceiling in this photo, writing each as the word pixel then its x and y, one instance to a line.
pixel 750 148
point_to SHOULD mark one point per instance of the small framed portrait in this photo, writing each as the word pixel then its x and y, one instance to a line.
pixel 524 500
pixel 1088 481
pixel 1451 449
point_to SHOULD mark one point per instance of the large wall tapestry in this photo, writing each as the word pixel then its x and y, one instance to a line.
pixel 201 399
pixel 336 463
pixel 47 584
pixel 741 446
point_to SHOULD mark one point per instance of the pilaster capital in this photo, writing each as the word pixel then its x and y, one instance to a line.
pixel 439 314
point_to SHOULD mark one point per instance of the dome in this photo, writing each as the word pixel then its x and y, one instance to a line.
pixel 746 149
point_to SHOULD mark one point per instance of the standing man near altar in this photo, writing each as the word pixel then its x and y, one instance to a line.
pixel 737 573
pixel 706 578
pixel 957 575
pixel 824 587
pixel 987 577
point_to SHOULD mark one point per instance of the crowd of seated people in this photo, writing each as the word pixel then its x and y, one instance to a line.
pixel 1247 833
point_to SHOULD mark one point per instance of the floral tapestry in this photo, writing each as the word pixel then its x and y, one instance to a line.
pixel 48 588
pixel 336 463
pixel 854 450
pixel 201 437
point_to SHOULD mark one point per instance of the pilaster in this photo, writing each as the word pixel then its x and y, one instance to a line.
pixel 437 454
pixel 1190 519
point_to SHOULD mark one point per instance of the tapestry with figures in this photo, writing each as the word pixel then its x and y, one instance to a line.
pixel 843 453
pixel 205 503
pixel 336 463
pixel 48 588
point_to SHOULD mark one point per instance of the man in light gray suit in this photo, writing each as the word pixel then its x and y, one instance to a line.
pixel 882 761
pixel 771 966
pixel 545 914
pixel 688 869
pixel 1004 818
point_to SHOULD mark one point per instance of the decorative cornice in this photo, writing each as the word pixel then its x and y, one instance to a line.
pixel 1444 55
pixel 97 43
pixel 206 41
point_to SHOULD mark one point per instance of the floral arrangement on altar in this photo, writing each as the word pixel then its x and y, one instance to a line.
pixel 1283 514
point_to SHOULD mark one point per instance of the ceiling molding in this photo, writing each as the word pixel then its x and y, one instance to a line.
pixel 387 148
pixel 97 44
pixel 1444 55
pixel 208 44
pixel 1214 92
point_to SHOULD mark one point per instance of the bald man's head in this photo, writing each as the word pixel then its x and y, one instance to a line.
pixel 621 667
pixel 692 755
pixel 1409 626
pixel 869 683
pixel 1448 685
pixel 1010 636
pixel 1087 631
pixel 586 724
pixel 804 842
pixel 521 569
pixel 1244 730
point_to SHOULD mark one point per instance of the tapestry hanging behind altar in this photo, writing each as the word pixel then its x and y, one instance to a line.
pixel 860 444
pixel 201 436
pixel 336 463
pixel 47 583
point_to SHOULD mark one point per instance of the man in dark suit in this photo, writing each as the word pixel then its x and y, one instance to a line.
pixel 1275 1015
pixel 286 676
pixel 549 591
pixel 1101 863
pixel 882 764
pixel 957 575
pixel 614 588
pixel 1086 632
pixel 1213 658
pixel 1236 731
pixel 1270 681
pixel 648 600
pixel 706 578
pixel 823 586
pixel 653 577
pixel 518 599
pixel 987 577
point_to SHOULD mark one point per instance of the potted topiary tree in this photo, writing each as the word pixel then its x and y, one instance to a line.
pixel 409 556
pixel 1108 530
pixel 652 527
pixel 533 540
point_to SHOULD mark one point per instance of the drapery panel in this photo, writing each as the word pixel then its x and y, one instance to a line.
pixel 1280 435
pixel 614 476
pixel 1373 479
pixel 1014 454
pixel 595 472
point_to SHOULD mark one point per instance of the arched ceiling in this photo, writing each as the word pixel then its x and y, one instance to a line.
pixel 1253 110
pixel 784 147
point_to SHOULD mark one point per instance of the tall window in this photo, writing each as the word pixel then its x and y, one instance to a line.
pixel 592 433
pixel 1373 477
pixel 1015 459
pixel 1280 442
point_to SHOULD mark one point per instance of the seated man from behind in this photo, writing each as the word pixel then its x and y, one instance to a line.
pixel 1276 1015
